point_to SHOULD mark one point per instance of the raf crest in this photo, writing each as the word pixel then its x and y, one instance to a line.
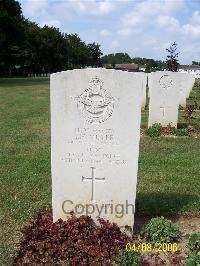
pixel 165 82
pixel 95 104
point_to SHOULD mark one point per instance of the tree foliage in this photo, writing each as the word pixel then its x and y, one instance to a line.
pixel 196 63
pixel 147 69
pixel 118 58
pixel 11 34
pixel 124 58
pixel 172 58
pixel 26 47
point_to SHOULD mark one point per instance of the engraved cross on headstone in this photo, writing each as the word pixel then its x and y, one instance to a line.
pixel 163 108
pixel 93 179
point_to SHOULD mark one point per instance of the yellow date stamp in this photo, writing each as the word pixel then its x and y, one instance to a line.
pixel 152 247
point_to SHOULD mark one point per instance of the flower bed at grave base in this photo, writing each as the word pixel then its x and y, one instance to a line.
pixel 156 130
pixel 79 241
pixel 76 241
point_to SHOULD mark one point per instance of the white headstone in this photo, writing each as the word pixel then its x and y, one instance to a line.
pixel 184 87
pixel 190 83
pixel 149 83
pixel 144 84
pixel 144 89
pixel 186 83
pixel 95 132
pixel 164 98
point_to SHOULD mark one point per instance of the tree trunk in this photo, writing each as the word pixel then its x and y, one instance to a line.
pixel 10 72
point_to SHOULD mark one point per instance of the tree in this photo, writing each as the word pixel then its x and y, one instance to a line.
pixel 118 58
pixel 172 58
pixel 196 63
pixel 93 55
pixel 53 50
pixel 139 60
pixel 32 47
pixel 12 35
pixel 26 47
pixel 158 64
pixel 77 55
pixel 81 54
pixel 147 69
pixel 45 49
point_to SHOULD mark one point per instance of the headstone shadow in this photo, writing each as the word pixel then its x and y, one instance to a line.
pixel 162 204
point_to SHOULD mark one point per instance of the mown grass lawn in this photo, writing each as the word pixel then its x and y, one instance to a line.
pixel 168 181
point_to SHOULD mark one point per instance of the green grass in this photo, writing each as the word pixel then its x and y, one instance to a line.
pixel 24 155
pixel 168 181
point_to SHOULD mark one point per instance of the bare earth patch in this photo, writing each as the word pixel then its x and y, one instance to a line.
pixel 187 225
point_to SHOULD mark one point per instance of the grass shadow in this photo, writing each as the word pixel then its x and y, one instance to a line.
pixel 163 204
pixel 23 82
pixel 182 125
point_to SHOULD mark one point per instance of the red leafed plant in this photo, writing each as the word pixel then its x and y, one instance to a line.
pixel 77 241
pixel 189 113
pixel 168 130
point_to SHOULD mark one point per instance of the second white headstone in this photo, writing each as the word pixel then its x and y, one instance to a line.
pixel 164 98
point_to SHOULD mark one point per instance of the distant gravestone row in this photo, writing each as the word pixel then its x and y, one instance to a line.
pixel 95 132
pixel 39 75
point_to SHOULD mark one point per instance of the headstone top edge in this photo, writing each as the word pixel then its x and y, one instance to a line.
pixel 95 69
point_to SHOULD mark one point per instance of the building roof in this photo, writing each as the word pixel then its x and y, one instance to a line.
pixel 142 66
pixel 127 67
pixel 189 67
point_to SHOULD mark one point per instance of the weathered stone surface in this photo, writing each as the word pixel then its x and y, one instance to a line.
pixel 164 98
pixel 95 131
pixel 190 83
pixel 183 88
